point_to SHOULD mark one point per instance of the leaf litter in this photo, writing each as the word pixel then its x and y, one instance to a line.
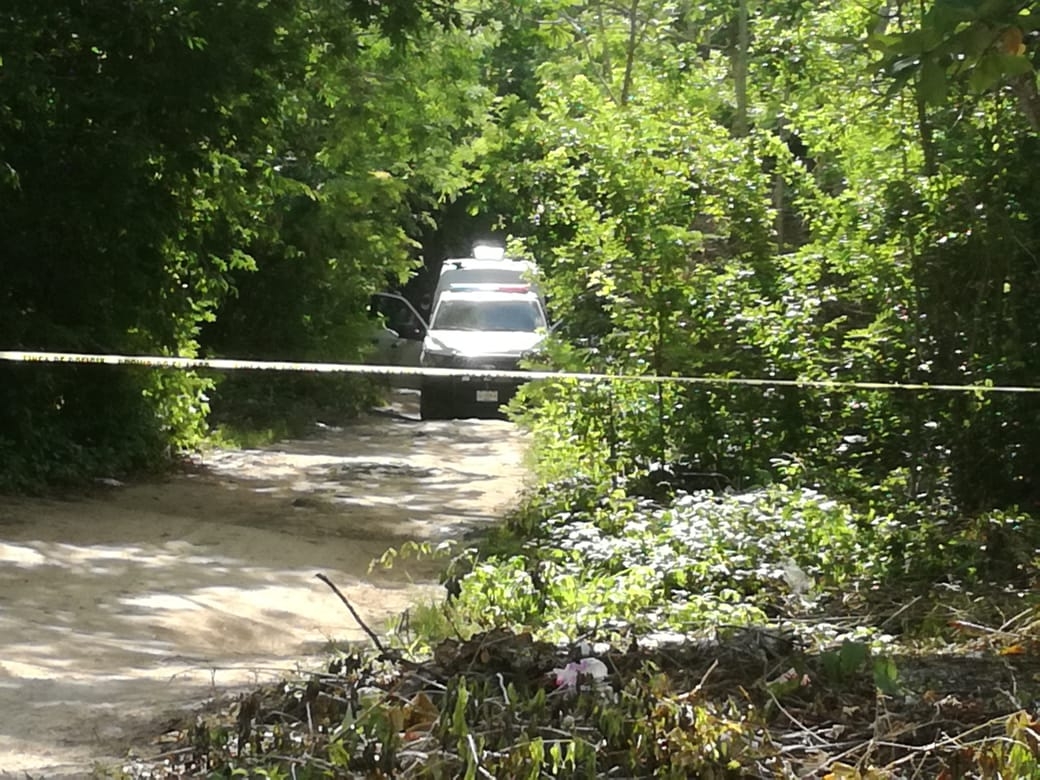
pixel 743 701
pixel 834 676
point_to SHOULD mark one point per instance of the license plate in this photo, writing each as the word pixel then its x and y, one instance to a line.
pixel 487 396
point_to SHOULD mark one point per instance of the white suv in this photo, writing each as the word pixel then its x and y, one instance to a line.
pixel 478 327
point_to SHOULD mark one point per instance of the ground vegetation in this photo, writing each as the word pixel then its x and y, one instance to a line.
pixel 834 200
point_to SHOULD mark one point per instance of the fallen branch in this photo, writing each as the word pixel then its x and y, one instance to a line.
pixel 706 675
pixel 977 629
pixel 899 612
pixel 354 612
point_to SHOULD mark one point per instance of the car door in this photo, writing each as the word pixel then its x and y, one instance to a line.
pixel 398 332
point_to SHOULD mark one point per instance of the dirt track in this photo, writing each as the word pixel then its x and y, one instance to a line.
pixel 120 609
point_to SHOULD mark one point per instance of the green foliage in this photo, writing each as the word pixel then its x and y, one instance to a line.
pixel 236 179
pixel 243 195
pixel 981 43
pixel 251 411
pixel 896 250
pixel 702 561
pixel 231 178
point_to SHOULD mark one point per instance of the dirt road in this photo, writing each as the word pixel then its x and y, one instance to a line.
pixel 123 608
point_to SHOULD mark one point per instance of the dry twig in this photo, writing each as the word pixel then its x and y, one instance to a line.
pixel 354 612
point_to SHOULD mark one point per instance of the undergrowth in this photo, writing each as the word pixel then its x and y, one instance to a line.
pixel 771 633
pixel 250 411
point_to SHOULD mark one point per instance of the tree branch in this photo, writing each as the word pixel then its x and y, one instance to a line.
pixel 354 612
pixel 630 52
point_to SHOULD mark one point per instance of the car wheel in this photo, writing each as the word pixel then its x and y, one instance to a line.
pixel 434 405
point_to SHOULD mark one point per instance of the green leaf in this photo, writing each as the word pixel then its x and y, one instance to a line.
pixel 986 74
pixel 853 40
pixel 458 721
pixel 886 676
pixel 931 83
pixel 1014 64
pixel 975 40
pixel 338 755
pixel 946 15
pixel 881 42
pixel 853 656
pixel 899 82
pixel 916 42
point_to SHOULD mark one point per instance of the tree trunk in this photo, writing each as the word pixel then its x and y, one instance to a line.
pixel 1028 99
pixel 740 69
pixel 630 53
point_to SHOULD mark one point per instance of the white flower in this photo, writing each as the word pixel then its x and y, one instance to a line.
pixel 567 677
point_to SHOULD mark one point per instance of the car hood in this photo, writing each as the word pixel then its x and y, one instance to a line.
pixel 482 342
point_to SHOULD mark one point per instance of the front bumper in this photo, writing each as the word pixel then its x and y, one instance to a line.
pixel 474 389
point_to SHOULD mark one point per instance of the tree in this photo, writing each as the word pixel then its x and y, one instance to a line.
pixel 953 43
pixel 663 246
pixel 141 148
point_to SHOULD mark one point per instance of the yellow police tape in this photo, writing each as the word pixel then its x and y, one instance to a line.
pixel 159 361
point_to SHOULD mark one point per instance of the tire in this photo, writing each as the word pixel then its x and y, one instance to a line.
pixel 434 404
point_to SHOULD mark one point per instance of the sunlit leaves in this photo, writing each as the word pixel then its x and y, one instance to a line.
pixel 153 157
pixel 986 43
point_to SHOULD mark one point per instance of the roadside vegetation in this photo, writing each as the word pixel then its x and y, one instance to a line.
pixel 768 633
pixel 814 574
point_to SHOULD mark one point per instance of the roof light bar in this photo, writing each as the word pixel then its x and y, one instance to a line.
pixel 488 287
pixel 489 252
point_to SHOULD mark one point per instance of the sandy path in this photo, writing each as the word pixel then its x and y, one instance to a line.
pixel 120 609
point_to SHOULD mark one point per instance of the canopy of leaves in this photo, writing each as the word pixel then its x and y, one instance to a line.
pixel 842 237
pixel 254 169
pixel 958 43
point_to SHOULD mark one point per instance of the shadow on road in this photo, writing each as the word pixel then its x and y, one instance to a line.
pixel 118 608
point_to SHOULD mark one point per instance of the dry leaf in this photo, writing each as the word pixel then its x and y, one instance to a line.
pixel 420 712
pixel 840 771
pixel 1011 41
pixel 1015 649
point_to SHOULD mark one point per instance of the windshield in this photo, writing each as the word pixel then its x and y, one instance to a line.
pixel 520 315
